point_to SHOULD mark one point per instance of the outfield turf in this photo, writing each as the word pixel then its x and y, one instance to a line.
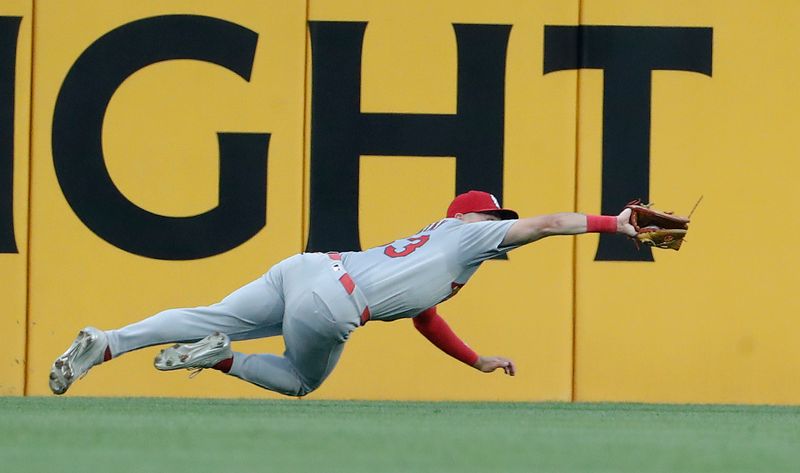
pixel 116 435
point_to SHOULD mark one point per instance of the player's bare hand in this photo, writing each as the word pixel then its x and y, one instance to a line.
pixel 487 364
pixel 624 223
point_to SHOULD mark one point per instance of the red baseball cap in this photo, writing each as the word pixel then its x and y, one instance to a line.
pixel 478 201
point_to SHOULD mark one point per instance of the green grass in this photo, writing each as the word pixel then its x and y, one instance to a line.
pixel 202 435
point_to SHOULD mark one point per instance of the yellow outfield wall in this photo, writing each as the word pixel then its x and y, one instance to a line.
pixel 15 83
pixel 160 144
pixel 180 149
pixel 716 322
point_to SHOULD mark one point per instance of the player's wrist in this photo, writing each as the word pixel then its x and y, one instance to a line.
pixel 601 224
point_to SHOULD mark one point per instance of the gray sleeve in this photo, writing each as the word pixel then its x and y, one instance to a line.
pixel 480 241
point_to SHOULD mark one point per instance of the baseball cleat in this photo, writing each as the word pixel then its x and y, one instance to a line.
pixel 86 351
pixel 195 356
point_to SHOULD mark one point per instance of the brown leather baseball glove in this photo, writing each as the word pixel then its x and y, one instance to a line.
pixel 657 228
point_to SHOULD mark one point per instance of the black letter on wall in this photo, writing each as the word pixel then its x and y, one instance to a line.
pixel 77 141
pixel 340 132
pixel 627 55
pixel 9 32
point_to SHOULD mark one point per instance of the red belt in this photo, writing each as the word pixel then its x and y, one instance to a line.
pixel 349 285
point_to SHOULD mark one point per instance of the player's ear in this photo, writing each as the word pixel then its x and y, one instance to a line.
pixel 459 216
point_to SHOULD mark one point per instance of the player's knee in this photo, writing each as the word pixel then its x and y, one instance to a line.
pixel 306 388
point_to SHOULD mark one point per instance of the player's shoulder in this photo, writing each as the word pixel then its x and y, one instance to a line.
pixel 442 224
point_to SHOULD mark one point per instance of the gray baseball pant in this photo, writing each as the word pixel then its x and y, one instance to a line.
pixel 301 298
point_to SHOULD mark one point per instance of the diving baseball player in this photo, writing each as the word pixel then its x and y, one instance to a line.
pixel 315 300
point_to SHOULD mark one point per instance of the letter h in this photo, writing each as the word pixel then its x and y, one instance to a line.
pixel 341 133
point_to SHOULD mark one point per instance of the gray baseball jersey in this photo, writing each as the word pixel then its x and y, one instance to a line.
pixel 407 276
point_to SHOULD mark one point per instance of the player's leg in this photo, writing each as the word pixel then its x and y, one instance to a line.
pixel 319 318
pixel 314 341
pixel 254 310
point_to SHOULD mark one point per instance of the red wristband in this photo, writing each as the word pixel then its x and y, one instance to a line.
pixel 601 224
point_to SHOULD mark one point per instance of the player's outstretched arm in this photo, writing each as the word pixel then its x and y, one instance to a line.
pixel 527 230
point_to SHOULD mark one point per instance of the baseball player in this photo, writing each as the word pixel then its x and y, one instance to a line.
pixel 315 300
